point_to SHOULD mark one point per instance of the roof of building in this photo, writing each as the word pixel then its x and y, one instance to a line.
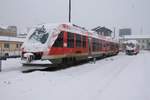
pixel 8 38
pixel 101 29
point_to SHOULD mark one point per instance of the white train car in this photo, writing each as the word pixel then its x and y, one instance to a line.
pixel 132 47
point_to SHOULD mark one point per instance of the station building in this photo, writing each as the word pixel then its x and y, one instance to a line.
pixel 10 44
pixel 102 31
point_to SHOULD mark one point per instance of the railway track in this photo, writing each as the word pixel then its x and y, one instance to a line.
pixel 50 67
pixel 56 67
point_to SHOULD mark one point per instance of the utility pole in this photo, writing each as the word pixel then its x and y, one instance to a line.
pixel 69 11
pixel 0 65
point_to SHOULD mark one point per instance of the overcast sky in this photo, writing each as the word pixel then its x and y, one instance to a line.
pixel 133 14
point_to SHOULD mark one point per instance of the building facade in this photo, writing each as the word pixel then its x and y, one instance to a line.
pixel 9 31
pixel 10 46
pixel 102 31
pixel 124 32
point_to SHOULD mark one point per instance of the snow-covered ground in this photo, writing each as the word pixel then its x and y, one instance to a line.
pixel 121 77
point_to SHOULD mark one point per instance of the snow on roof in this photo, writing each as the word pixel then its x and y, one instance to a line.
pixel 131 41
pixel 3 27
pixel 136 37
pixel 8 38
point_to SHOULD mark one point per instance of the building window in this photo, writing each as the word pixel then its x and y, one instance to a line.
pixel 143 47
pixel 6 45
pixel 59 41
pixel 78 41
pixel 20 45
pixel 143 41
pixel 138 41
pixel 70 40
pixel 84 41
pixel 17 45
pixel 147 41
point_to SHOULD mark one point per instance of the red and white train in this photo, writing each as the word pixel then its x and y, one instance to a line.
pixel 132 47
pixel 63 43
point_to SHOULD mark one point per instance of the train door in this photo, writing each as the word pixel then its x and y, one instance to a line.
pixel 89 46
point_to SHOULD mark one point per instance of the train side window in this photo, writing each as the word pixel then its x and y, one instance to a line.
pixel 112 46
pixel 59 41
pixel 93 44
pixel 78 41
pixel 97 45
pixel 84 41
pixel 100 44
pixel 104 44
pixel 70 40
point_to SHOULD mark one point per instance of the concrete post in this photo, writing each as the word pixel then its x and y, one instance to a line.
pixel 0 65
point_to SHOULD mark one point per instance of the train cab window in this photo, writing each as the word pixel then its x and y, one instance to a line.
pixel 70 40
pixel 78 41
pixel 59 41
pixel 39 35
pixel 84 41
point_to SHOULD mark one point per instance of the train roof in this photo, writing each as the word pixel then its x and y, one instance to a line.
pixel 76 29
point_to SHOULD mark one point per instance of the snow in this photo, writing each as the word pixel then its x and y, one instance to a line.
pixel 135 37
pixel 8 38
pixel 131 41
pixel 3 27
pixel 120 77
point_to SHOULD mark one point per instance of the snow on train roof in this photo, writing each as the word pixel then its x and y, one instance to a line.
pixel 64 27
pixel 8 38
pixel 75 29
pixel 83 31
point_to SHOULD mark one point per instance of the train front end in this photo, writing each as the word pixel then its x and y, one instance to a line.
pixel 38 43
pixel 132 47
